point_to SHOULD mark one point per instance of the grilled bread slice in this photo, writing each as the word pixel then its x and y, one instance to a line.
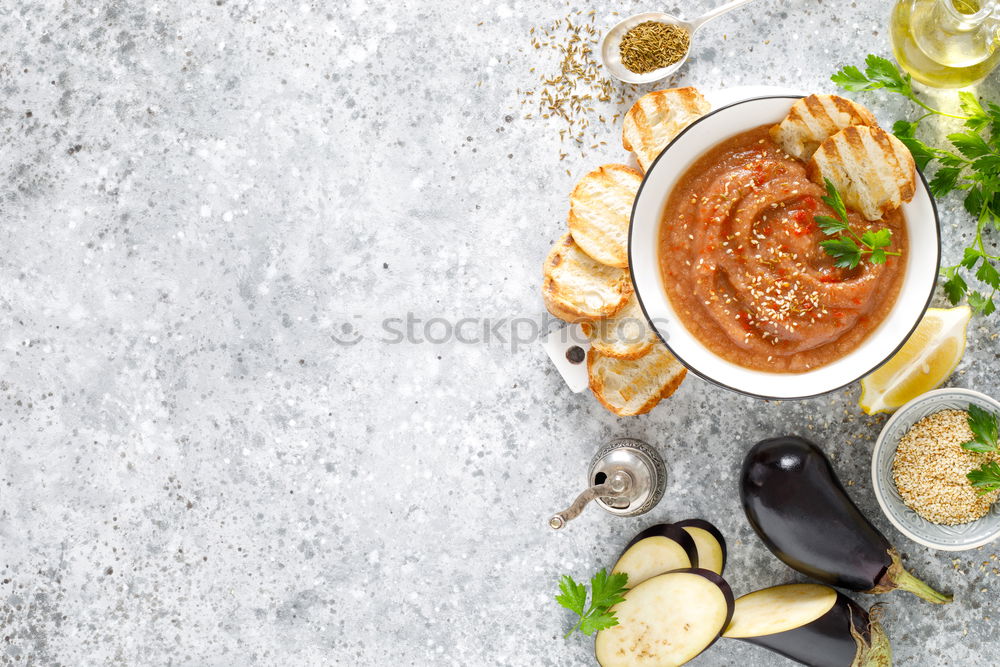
pixel 599 211
pixel 812 119
pixel 576 288
pixel 872 170
pixel 657 117
pixel 634 387
pixel 627 335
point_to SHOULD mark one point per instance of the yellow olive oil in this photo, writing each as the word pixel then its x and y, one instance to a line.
pixel 945 43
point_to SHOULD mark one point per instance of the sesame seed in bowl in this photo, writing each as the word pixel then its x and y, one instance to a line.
pixel 931 468
pixel 920 471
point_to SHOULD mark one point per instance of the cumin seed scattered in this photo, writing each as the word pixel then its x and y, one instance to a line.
pixel 652 45
pixel 573 90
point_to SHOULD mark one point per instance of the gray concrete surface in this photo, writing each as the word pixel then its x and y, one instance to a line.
pixel 205 203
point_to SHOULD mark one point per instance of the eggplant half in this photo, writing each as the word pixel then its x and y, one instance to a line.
pixel 811 624
pixel 800 510
pixel 667 620
pixel 709 541
pixel 658 549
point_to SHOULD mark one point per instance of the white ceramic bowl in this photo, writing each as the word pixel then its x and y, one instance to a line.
pixel 920 530
pixel 915 294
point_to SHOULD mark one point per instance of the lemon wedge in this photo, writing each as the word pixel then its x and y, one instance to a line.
pixel 925 361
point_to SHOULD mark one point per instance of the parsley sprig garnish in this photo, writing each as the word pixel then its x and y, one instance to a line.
pixel 848 248
pixel 605 592
pixel 973 167
pixel 986 432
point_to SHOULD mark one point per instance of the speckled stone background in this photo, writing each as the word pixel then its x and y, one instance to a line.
pixel 210 453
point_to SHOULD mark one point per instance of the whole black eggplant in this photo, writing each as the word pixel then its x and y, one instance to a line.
pixel 800 510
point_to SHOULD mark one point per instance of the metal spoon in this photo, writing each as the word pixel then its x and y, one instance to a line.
pixel 611 55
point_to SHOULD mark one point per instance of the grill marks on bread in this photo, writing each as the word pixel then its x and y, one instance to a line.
pixel 600 208
pixel 873 171
pixel 657 117
pixel 576 288
pixel 626 335
pixel 813 119
pixel 634 387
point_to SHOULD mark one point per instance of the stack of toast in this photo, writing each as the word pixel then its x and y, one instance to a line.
pixel 586 277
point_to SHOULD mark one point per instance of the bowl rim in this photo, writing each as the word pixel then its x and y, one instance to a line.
pixel 719 383
pixel 880 444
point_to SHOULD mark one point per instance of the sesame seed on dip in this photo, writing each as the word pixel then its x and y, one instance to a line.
pixel 742 264
pixel 930 468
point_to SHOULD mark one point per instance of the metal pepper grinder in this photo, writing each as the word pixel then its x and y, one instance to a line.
pixel 627 478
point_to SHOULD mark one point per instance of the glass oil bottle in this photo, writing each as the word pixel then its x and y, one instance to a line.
pixel 946 43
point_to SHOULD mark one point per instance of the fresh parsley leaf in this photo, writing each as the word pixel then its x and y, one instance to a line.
pixel 922 153
pixel 955 288
pixel 877 241
pixel 974 202
pixel 948 159
pixel 905 128
pixel 845 252
pixel 605 592
pixel 970 104
pixel 981 304
pixel 833 200
pixel 944 180
pixel 906 132
pixel 987 163
pixel 977 116
pixel 993 111
pixel 830 225
pixel 988 274
pixel 983 425
pixel 969 144
pixel 986 477
pixel 974 446
pixel 597 622
pixel 880 238
pixel 573 595
pixel 882 71
pixel 851 78
pixel 969 257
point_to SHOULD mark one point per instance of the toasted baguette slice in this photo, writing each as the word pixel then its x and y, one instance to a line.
pixel 634 387
pixel 657 117
pixel 577 288
pixel 872 170
pixel 812 119
pixel 599 211
pixel 627 335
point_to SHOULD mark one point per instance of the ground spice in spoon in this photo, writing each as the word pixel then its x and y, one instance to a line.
pixel 652 45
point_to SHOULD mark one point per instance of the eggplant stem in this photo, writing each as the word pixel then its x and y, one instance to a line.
pixel 896 576
pixel 877 651
pixel 907 582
